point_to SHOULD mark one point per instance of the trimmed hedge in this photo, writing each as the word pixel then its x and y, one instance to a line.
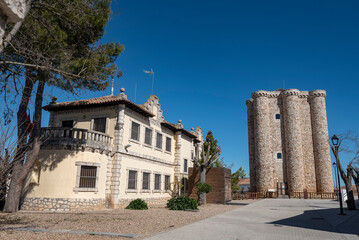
pixel 182 203
pixel 137 204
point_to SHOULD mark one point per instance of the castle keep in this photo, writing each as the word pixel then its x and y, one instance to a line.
pixel 288 141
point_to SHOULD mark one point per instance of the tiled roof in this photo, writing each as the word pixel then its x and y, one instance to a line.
pixel 244 181
pixel 100 101
pixel 174 128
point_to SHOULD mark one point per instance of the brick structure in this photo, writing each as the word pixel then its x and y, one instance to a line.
pixel 218 178
pixel 288 141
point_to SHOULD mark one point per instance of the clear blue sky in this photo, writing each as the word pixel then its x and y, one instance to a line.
pixel 209 56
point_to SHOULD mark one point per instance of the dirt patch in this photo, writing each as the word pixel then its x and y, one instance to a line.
pixel 143 222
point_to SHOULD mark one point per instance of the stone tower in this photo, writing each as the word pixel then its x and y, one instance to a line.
pixel 288 141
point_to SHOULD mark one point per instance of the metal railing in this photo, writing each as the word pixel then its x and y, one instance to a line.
pixel 75 137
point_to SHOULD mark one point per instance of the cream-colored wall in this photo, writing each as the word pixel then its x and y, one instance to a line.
pixel 140 165
pixel 140 146
pixel 186 153
pixel 59 171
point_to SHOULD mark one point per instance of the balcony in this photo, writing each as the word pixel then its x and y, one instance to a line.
pixel 75 138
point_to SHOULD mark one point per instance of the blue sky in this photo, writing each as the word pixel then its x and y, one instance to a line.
pixel 209 56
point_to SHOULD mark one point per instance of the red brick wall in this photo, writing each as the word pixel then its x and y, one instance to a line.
pixel 218 178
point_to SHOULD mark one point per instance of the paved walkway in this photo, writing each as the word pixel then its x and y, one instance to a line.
pixel 274 219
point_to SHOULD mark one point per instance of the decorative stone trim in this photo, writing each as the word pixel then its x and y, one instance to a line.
pixel 262 93
pixel 77 188
pixel 249 101
pixel 318 93
pixel 291 92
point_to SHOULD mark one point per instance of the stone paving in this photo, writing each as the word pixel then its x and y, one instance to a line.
pixel 274 219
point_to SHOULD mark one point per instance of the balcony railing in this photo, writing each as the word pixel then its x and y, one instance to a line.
pixel 75 137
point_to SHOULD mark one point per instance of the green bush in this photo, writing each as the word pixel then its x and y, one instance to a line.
pixel 203 187
pixel 137 204
pixel 182 203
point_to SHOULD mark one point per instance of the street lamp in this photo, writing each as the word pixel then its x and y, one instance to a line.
pixel 335 142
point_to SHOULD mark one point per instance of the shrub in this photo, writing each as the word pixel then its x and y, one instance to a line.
pixel 137 204
pixel 203 187
pixel 182 203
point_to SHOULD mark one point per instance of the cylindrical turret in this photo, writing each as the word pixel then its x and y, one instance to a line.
pixel 323 169
pixel 263 142
pixel 251 148
pixel 292 132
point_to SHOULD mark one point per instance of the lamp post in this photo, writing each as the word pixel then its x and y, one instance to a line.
pixel 335 142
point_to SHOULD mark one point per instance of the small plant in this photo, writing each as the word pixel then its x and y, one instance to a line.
pixel 203 187
pixel 182 203
pixel 137 204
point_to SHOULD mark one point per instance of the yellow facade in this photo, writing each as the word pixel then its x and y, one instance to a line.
pixel 67 152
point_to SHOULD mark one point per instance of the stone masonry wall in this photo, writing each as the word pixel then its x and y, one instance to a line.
pixel 77 204
pixel 62 204
pixel 301 135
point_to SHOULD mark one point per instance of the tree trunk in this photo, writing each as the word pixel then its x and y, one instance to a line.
pixel 13 195
pixel 22 169
pixel 203 196
pixel 355 175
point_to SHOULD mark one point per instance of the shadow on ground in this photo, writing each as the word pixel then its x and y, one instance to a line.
pixel 324 220
pixel 236 203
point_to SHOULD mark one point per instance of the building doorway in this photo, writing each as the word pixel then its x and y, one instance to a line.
pixel 282 188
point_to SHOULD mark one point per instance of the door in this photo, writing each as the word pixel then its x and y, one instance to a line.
pixel 67 124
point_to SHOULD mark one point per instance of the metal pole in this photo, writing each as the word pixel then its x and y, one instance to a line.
pixel 340 191
pixel 153 79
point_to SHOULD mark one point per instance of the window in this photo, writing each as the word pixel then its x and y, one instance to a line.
pixel 88 177
pixel 99 124
pixel 68 124
pixel 277 116
pixel 167 182
pixel 279 155
pixel 168 144
pixel 135 131
pixel 159 141
pixel 157 181
pixel 146 181
pixel 132 179
pixel 185 165
pixel 148 136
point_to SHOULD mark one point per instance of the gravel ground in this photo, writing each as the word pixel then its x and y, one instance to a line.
pixel 144 223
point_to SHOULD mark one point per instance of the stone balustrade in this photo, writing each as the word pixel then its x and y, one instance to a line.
pixel 76 137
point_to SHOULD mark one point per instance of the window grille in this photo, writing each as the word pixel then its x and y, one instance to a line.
pixel 159 141
pixel 168 144
pixel 99 125
pixel 146 181
pixel 132 179
pixel 157 181
pixel 88 177
pixel 135 131
pixel 148 136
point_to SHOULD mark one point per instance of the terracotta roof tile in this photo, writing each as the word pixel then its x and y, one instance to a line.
pixel 244 181
pixel 174 128
pixel 99 101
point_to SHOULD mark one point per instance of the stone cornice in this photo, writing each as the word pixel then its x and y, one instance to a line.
pixel 269 94
pixel 317 93
pixel 291 92
pixel 249 101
